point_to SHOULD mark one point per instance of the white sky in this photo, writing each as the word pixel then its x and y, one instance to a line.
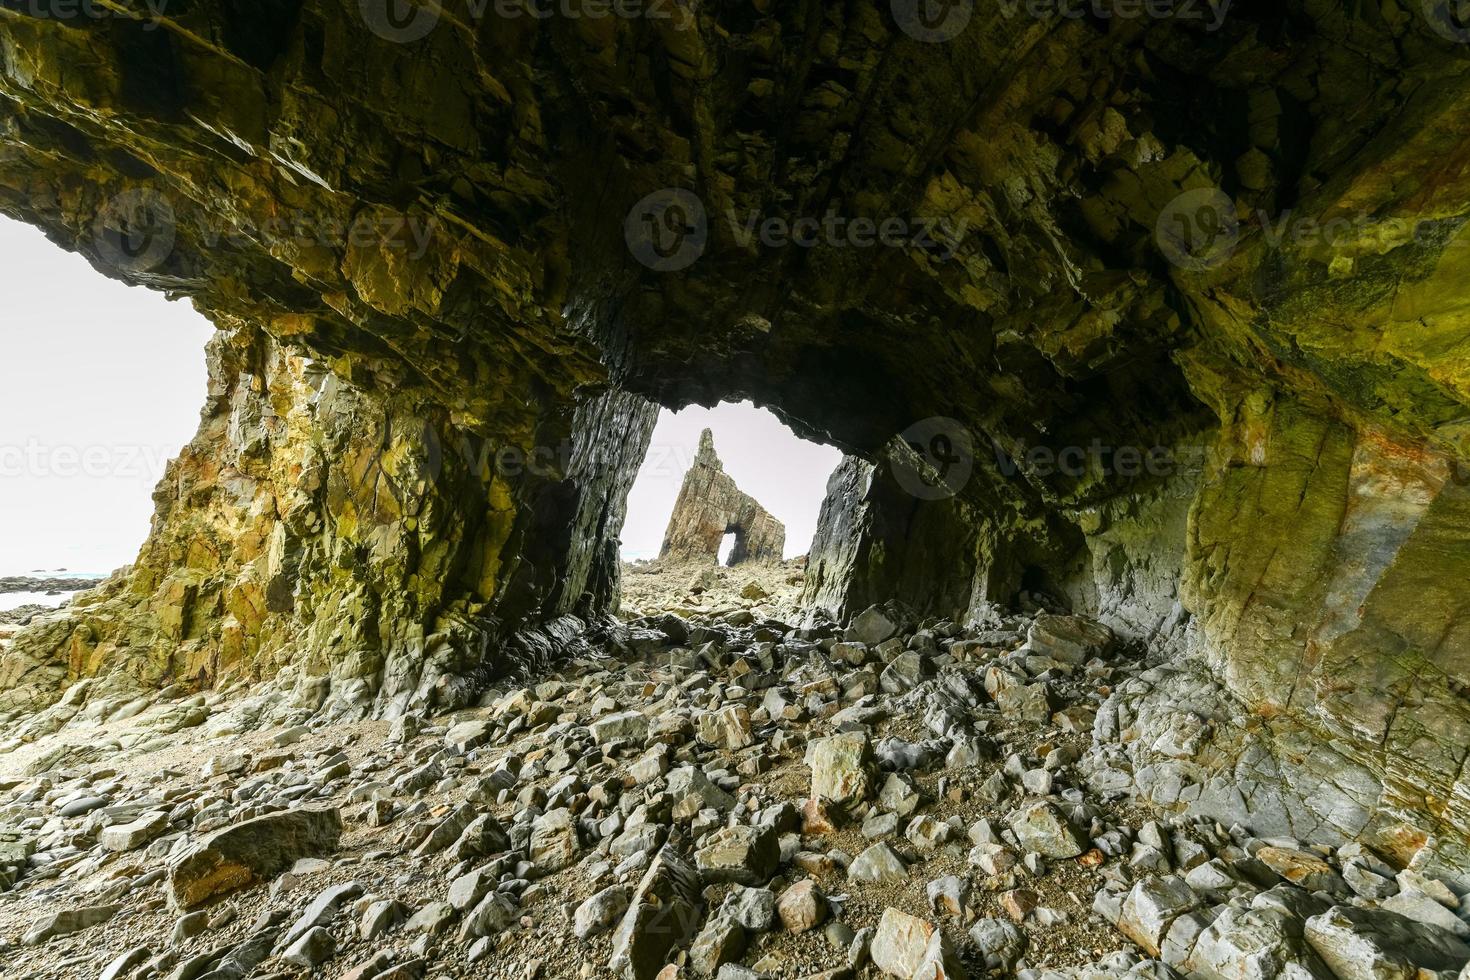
pixel 786 474
pixel 100 386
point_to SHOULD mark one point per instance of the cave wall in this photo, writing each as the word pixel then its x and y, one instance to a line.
pixel 875 543
pixel 385 555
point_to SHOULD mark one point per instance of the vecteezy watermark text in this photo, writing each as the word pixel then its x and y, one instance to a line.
pixel 149 12
pixel 938 236
pixel 137 231
pixel 936 458
pixel 1210 13
pixel 46 461
pixel 938 21
pixel 1201 229
pixel 669 230
pixel 407 21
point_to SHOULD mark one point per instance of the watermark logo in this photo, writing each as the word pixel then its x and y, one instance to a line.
pixel 933 21
pixel 407 21
pixel 1198 230
pixel 135 231
pixel 400 21
pixel 938 237
pixel 668 230
pixel 1450 19
pixel 940 460
pixel 153 11
pixel 1210 13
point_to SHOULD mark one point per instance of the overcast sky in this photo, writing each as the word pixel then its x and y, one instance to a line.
pixel 100 385
pixel 787 475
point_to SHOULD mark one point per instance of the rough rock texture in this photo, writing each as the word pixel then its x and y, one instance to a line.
pixel 531 837
pixel 711 506
pixel 254 850
pixel 1228 244
pixel 384 557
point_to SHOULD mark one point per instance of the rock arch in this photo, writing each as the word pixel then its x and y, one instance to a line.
pixel 435 377
pixel 711 506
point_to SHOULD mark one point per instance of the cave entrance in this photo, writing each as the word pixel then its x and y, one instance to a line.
pixel 100 385
pixel 726 497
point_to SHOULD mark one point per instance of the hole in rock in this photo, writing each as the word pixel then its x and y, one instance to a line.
pixel 100 385
pixel 726 502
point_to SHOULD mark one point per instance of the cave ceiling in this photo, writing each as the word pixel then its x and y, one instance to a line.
pixel 862 215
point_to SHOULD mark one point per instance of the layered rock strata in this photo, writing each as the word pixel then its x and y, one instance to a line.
pixel 709 507
pixel 385 557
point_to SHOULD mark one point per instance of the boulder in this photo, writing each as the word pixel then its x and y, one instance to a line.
pixel 598 913
pixel 663 913
pixel 554 844
pixel 1041 827
pixel 131 836
pixel 743 855
pixel 1069 639
pixel 802 907
pixel 1363 944
pixel 842 767
pixel 249 852
pixel 908 947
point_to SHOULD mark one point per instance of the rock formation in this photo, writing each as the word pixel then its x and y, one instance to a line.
pixel 711 506
pixel 1168 320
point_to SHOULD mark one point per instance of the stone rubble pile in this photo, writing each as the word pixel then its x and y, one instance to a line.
pixel 734 798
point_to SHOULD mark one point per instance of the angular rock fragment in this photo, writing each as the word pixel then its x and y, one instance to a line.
pixel 1361 944
pixel 598 913
pixel 841 767
pixel 720 941
pixel 131 836
pixel 878 863
pixel 909 947
pixel 1070 639
pixel 1151 907
pixel 554 843
pixel 743 855
pixel 1040 827
pixel 68 921
pixel 315 947
pixel 663 913
pixel 249 852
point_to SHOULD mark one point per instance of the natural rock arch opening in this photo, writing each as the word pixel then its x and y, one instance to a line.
pixel 727 548
pixel 435 382
pixel 711 508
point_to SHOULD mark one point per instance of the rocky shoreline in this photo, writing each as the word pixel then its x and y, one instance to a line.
pixel 721 795
pixel 45 586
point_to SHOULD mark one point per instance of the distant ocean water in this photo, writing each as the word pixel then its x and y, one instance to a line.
pixel 24 571
pixel 12 600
